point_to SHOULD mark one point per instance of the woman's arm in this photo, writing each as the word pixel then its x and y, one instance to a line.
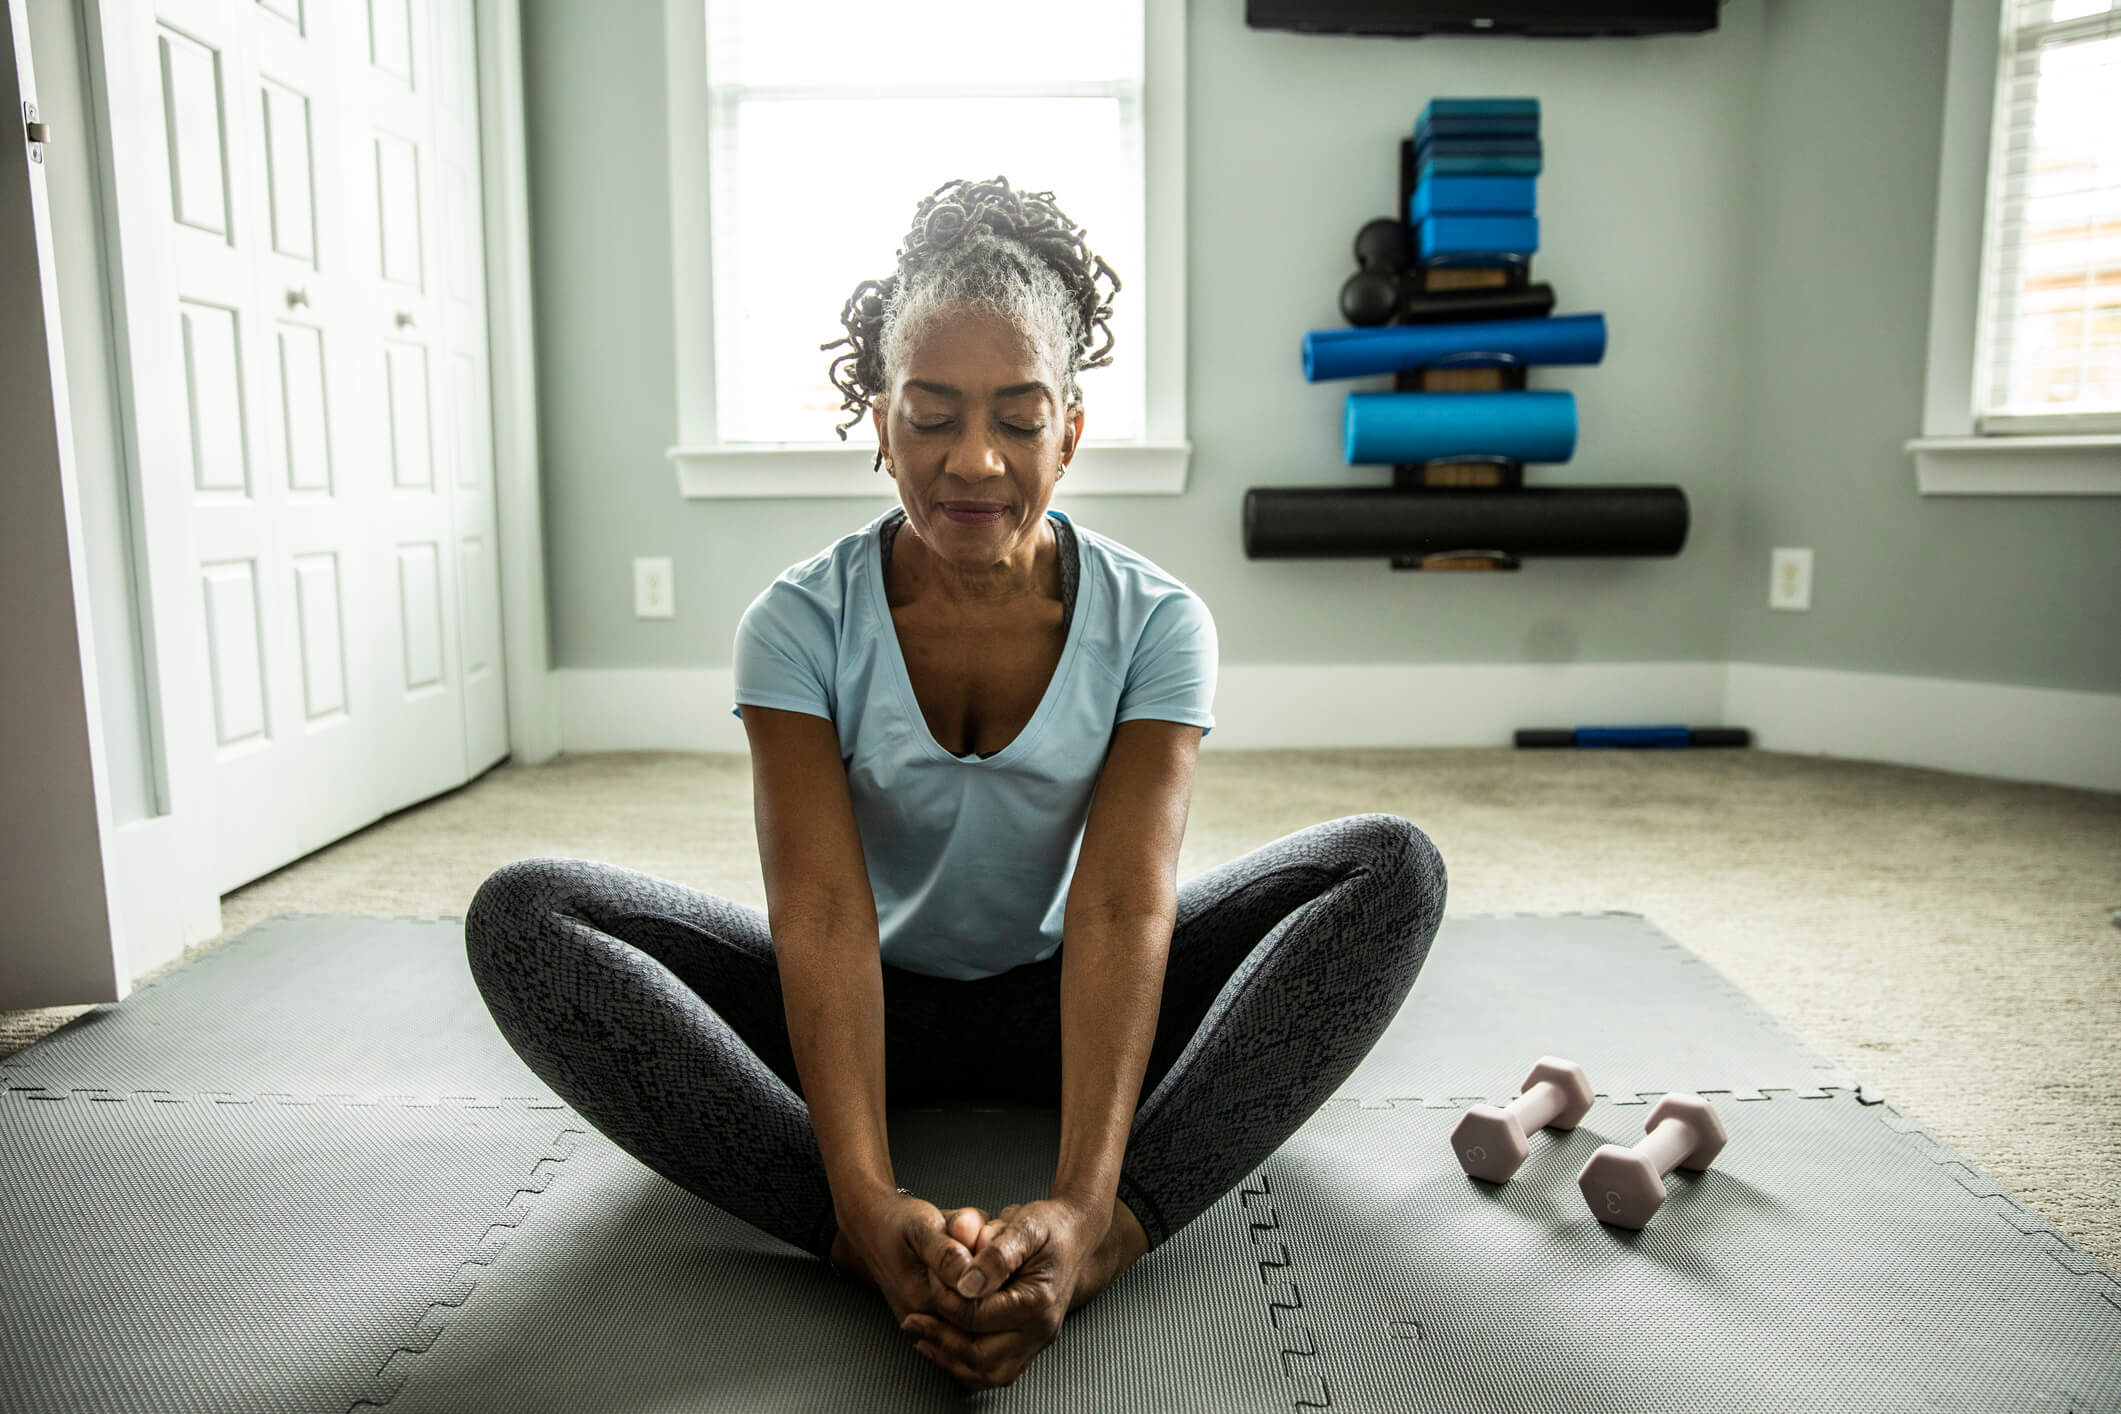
pixel 822 917
pixel 1122 903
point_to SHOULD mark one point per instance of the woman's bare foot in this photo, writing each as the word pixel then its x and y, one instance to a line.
pixel 1124 1244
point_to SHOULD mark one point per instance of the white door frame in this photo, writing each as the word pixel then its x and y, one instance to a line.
pixel 59 944
pixel 161 899
pixel 533 710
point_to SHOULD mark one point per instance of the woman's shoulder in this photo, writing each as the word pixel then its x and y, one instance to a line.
pixel 815 591
pixel 1134 576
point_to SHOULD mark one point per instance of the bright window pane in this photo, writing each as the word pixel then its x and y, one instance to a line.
pixel 812 196
pixel 2053 304
pixel 842 42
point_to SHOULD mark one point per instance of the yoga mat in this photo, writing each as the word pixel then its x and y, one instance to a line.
pixel 1456 196
pixel 171 1250
pixel 1532 426
pixel 1470 235
pixel 1359 352
pixel 1376 522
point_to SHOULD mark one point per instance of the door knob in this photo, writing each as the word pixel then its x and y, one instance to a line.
pixel 404 319
pixel 295 297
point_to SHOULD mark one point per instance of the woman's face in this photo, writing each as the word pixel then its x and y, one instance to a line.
pixel 974 418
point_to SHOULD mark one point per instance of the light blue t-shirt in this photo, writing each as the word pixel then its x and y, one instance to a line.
pixel 970 857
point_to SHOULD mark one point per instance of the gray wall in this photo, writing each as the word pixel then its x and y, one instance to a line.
pixel 1991 588
pixel 1697 189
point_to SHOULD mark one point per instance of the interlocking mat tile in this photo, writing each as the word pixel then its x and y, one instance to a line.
pixel 1636 1009
pixel 306 1173
pixel 162 1254
pixel 319 1004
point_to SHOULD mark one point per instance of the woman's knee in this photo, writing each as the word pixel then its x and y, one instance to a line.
pixel 1401 855
pixel 515 898
pixel 1397 846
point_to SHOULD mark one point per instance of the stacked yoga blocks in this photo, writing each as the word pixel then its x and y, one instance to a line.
pixel 1445 304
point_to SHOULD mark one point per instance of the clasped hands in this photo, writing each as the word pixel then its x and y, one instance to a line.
pixel 979 1296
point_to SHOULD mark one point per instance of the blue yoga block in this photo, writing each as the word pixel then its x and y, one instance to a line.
pixel 1478 147
pixel 1477 125
pixel 1516 236
pixel 1448 166
pixel 1472 196
pixel 1464 343
pixel 1478 107
pixel 1388 428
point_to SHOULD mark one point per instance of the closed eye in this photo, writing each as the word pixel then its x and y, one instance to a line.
pixel 1020 430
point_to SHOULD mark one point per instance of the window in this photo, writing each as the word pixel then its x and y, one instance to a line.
pixel 803 136
pixel 2048 344
pixel 2021 395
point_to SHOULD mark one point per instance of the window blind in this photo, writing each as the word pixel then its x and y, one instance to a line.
pixel 2048 356
pixel 830 120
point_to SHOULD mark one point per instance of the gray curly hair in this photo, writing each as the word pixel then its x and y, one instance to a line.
pixel 981 246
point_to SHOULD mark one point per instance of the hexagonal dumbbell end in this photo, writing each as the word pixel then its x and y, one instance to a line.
pixel 1625 1187
pixel 1491 1144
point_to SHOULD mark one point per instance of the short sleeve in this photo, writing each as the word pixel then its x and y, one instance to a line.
pixel 1172 673
pixel 785 653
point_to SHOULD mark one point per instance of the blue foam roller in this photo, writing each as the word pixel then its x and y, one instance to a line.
pixel 1661 737
pixel 1471 343
pixel 1475 235
pixel 1389 428
pixel 1460 196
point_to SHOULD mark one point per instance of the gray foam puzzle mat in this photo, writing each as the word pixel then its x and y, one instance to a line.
pixel 1498 992
pixel 299 1005
pixel 370 1007
pixel 180 1229
pixel 268 1258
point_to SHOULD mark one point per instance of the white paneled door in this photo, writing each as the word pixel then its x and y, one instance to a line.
pixel 296 190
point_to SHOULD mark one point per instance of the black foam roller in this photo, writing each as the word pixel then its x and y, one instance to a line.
pixel 1534 301
pixel 1362 522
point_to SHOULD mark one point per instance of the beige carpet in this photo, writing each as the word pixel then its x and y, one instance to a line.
pixel 1948 939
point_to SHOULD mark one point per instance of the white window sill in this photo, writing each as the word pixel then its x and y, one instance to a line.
pixel 778 472
pixel 2018 466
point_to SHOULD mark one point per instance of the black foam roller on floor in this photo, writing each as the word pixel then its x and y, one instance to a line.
pixel 1364 522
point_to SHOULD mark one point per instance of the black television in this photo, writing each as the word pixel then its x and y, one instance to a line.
pixel 1548 19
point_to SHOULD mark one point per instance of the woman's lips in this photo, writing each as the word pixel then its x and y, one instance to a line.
pixel 973 512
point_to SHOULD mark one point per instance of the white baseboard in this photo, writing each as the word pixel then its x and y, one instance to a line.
pixel 1976 728
pixel 1450 704
pixel 1257 705
pixel 1982 729
pixel 647 709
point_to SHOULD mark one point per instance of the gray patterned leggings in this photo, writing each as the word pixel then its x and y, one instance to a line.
pixel 655 1011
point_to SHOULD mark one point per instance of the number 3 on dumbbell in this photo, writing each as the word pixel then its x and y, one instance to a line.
pixel 1626 1186
pixel 1491 1143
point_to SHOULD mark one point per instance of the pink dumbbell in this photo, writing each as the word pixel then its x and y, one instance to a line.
pixel 1490 1143
pixel 1626 1186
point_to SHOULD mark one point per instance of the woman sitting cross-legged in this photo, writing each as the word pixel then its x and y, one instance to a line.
pixel 973 727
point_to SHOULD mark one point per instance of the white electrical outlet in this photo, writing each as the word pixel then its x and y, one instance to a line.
pixel 654 592
pixel 1789 578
